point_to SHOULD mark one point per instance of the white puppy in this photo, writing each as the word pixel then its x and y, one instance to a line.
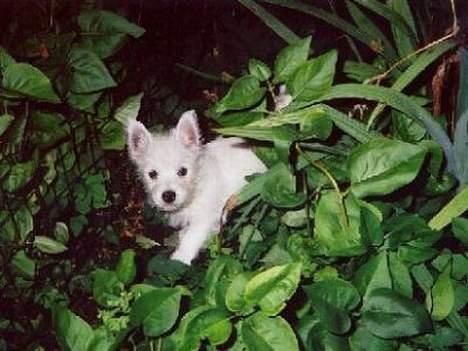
pixel 189 180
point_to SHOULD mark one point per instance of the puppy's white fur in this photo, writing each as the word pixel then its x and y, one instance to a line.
pixel 213 172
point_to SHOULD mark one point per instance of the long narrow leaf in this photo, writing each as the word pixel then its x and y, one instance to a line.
pixel 271 21
pixel 453 209
pixel 399 102
pixel 413 71
pixel 353 31
pixel 404 44
pixel 386 12
pixel 366 24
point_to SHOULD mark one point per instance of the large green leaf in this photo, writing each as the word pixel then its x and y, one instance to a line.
pixel 441 299
pixel 337 225
pixel 217 278
pixel 73 333
pixel 399 102
pixel 331 299
pixel 382 166
pixel 279 190
pixel 200 323
pixel 262 333
pixel 48 128
pixel 20 174
pixel 374 274
pixel 363 340
pixel 313 78
pixel 24 265
pixel 88 72
pixel 104 32
pixel 129 109
pixel 48 245
pixel 272 288
pixel 235 298
pixel 259 70
pixel 156 310
pixel 244 92
pixel 106 286
pixel 389 315
pixel 291 58
pixel 28 81
pixel 112 136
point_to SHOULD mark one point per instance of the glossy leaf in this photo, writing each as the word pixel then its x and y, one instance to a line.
pixel 156 310
pixel 272 288
pixel 73 333
pixel 313 78
pixel 453 209
pixel 129 109
pixel 259 70
pixel 20 174
pixel 262 333
pixel 383 166
pixel 126 267
pixel 441 299
pixel 28 81
pixel 290 58
pixel 389 315
pixel 372 275
pixel 48 245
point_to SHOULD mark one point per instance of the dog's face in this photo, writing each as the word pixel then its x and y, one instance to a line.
pixel 168 163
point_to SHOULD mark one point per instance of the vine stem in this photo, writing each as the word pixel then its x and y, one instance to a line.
pixel 325 171
pixel 378 78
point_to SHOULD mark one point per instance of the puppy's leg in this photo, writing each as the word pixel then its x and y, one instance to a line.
pixel 192 239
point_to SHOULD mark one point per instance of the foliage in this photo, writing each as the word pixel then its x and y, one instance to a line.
pixel 353 239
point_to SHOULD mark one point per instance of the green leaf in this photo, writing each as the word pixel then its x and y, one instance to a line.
pixel 235 297
pixel 218 276
pixel 112 136
pixel 200 323
pixel 61 232
pixel 73 333
pixel 28 81
pixel 389 315
pixel 262 333
pixel 244 92
pixel 5 121
pixel 338 292
pixel 259 70
pixel 20 174
pixel 401 279
pixel 24 265
pixel 382 166
pixel 129 109
pixel 106 286
pixel 370 228
pixel 104 32
pixel 363 340
pixel 291 58
pixel 331 299
pixel 271 21
pixel 22 223
pixel 399 102
pixel 374 274
pixel 337 225
pixel 442 297
pixel 405 43
pixel 83 102
pixel 48 128
pixel 453 209
pixel 279 189
pixel 313 78
pixel 126 267
pixel 272 288
pixel 88 72
pixel 156 310
pixel 5 59
pixel 460 229
pixel 48 245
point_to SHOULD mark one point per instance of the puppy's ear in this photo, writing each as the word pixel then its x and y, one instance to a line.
pixel 187 131
pixel 138 139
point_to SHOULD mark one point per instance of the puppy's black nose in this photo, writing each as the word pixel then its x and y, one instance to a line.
pixel 169 196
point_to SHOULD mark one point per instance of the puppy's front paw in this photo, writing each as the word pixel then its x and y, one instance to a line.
pixel 182 256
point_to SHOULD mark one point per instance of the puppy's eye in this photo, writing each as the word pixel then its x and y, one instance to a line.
pixel 182 172
pixel 153 174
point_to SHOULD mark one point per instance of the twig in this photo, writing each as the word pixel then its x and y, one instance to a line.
pixel 378 78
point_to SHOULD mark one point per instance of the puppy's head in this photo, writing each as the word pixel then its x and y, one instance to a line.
pixel 168 163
